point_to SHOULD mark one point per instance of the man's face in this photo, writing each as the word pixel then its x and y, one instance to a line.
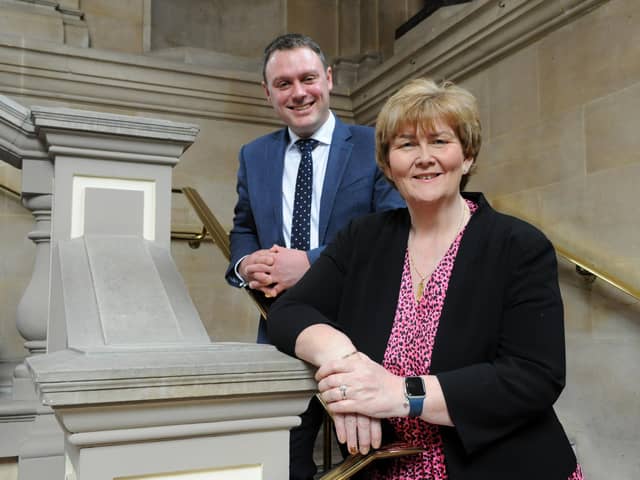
pixel 297 86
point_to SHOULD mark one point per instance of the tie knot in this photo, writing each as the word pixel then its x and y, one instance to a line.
pixel 306 145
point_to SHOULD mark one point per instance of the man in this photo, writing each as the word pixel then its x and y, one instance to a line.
pixel 285 215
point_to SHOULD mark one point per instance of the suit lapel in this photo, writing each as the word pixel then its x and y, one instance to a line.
pixel 339 157
pixel 273 168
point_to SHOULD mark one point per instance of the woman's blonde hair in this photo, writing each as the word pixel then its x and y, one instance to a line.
pixel 422 103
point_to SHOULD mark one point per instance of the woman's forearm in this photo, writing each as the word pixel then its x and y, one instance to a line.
pixel 320 343
pixel 435 408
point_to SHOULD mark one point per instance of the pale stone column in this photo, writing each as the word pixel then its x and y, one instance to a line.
pixel 31 316
pixel 31 430
pixel 21 148
pixel 32 309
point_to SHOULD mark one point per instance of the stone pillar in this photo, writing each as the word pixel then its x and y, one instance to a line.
pixel 130 371
pixel 32 313
pixel 33 434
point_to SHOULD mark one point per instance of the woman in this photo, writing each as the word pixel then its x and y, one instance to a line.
pixel 443 319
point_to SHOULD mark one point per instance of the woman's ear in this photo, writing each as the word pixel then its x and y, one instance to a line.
pixel 467 163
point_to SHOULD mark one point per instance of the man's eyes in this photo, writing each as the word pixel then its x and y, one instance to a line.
pixel 286 83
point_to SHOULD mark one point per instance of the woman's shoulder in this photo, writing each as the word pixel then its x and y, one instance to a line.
pixel 387 219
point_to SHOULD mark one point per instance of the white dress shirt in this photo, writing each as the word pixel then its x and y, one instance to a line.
pixel 292 158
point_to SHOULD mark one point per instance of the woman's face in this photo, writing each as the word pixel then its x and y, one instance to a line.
pixel 426 166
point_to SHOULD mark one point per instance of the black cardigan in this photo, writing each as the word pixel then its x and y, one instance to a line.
pixel 499 350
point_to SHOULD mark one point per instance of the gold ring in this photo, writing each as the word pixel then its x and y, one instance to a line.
pixel 343 391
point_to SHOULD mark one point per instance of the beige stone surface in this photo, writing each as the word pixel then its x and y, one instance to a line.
pixel 478 84
pixel 349 26
pixel 532 157
pixel 115 26
pixel 514 104
pixel 75 4
pixel 591 57
pixel 37 22
pixel 611 130
pixel 225 26
pixel 303 16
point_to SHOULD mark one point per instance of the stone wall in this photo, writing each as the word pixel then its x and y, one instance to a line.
pixel 559 105
pixel 560 150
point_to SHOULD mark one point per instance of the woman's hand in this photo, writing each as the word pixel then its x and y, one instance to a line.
pixel 358 385
pixel 361 433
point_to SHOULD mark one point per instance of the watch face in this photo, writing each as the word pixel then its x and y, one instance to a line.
pixel 414 386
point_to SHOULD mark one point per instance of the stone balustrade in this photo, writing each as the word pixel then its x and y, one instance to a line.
pixel 118 355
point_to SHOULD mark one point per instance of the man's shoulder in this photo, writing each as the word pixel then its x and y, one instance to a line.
pixel 267 139
pixel 357 131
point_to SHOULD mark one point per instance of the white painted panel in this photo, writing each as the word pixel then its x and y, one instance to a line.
pixel 80 185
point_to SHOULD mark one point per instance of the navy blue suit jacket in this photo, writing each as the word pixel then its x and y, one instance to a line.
pixel 353 186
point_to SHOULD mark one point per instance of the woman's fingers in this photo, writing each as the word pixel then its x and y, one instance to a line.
pixel 334 381
pixel 376 433
pixel 364 434
pixel 339 424
pixel 351 426
pixel 359 432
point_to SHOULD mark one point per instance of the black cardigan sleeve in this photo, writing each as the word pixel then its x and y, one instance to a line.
pixel 314 299
pixel 487 400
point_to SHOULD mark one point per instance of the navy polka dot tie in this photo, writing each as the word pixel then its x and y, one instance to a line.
pixel 301 219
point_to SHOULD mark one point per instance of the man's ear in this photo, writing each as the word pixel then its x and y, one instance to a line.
pixel 330 78
pixel 266 90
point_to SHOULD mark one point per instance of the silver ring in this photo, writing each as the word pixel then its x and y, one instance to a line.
pixel 343 391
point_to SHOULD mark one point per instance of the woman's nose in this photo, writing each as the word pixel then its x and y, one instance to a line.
pixel 425 153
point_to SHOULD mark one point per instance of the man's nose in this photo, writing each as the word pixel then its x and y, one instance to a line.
pixel 298 89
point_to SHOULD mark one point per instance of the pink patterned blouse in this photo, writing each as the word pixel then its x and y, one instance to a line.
pixel 408 353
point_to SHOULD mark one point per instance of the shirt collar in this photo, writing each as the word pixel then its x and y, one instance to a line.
pixel 322 135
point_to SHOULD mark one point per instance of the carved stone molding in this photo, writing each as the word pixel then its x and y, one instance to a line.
pixel 455 46
pixel 111 80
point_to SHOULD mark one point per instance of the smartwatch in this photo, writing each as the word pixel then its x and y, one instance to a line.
pixel 415 392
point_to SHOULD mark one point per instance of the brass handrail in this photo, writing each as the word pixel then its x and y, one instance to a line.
pixel 585 266
pixel 10 190
pixel 221 239
pixel 219 236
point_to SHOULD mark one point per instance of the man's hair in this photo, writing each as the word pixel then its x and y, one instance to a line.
pixel 289 41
